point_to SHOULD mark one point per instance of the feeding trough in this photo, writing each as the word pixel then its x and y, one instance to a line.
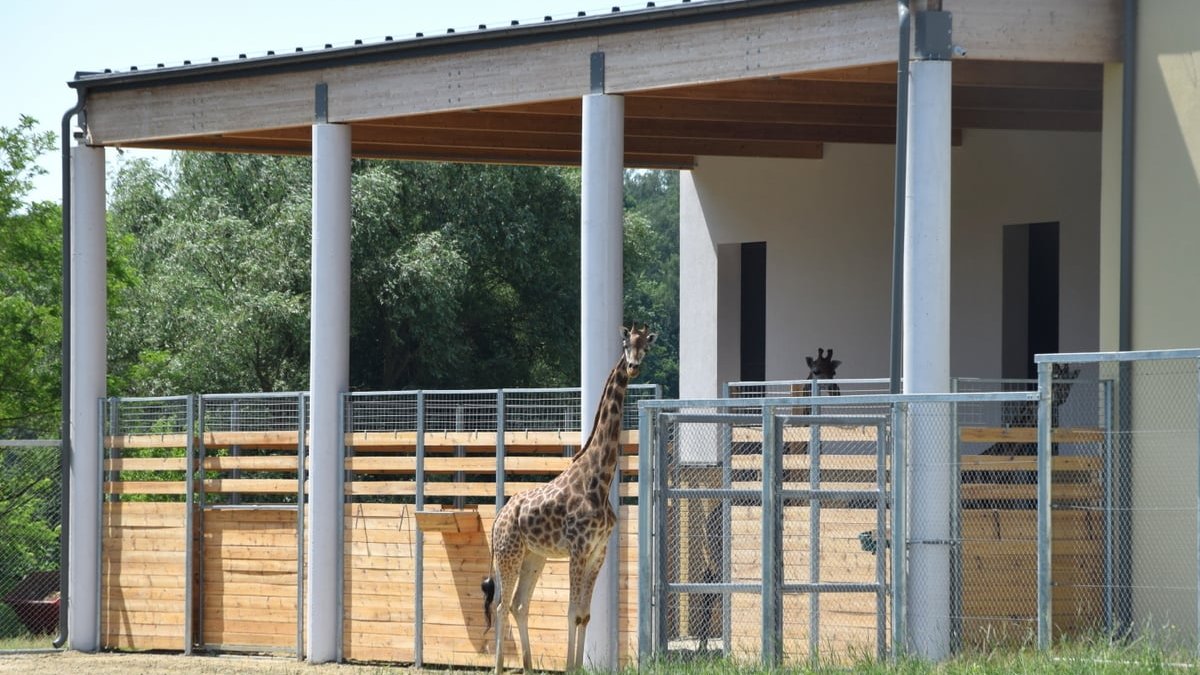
pixel 35 601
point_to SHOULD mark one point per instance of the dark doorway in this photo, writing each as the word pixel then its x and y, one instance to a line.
pixel 1030 287
pixel 754 311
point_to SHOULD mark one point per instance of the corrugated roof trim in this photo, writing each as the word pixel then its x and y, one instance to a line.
pixel 388 39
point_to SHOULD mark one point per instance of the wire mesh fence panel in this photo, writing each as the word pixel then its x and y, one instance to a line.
pixel 147 533
pixel 834 502
pixel 711 540
pixel 541 410
pixel 30 517
pixel 1136 498
pixel 250 448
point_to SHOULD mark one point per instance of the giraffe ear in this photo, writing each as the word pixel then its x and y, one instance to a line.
pixel 809 359
pixel 624 335
pixel 650 338
pixel 834 365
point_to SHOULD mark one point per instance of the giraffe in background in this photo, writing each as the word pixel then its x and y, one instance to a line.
pixel 569 517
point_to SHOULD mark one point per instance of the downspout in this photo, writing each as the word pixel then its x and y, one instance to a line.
pixel 894 365
pixel 1128 111
pixel 64 460
pixel 1124 493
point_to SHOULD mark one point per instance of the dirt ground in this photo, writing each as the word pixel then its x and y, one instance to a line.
pixel 156 664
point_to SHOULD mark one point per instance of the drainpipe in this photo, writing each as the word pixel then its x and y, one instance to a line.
pixel 1128 112
pixel 894 367
pixel 1124 496
pixel 64 458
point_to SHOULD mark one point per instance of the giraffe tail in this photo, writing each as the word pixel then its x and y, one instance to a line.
pixel 489 592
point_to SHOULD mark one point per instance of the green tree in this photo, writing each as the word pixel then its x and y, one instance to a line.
pixel 221 246
pixel 652 268
pixel 463 275
pixel 30 289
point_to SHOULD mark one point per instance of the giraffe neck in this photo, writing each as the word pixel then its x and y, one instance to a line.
pixel 599 453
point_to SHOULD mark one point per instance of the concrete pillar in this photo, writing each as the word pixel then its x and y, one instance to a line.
pixel 89 364
pixel 600 320
pixel 329 374
pixel 926 330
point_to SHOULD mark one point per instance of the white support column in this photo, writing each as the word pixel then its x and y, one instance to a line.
pixel 600 318
pixel 329 374
pixel 927 354
pixel 89 364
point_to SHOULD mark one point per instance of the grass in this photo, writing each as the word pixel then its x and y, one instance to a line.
pixel 26 641
pixel 1077 656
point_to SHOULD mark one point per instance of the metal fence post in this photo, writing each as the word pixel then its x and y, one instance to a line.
pixel 1197 454
pixel 661 476
pixel 419 562
pixel 189 523
pixel 301 477
pixel 771 638
pixel 1044 552
pixel 646 564
pixel 501 415
pixel 1109 607
pixel 899 533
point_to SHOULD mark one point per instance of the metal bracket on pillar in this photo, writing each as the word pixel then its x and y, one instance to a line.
pixel 597 71
pixel 934 40
pixel 321 112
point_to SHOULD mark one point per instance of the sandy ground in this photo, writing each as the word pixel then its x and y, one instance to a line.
pixel 156 664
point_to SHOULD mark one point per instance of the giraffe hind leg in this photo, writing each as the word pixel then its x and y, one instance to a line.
pixel 531 571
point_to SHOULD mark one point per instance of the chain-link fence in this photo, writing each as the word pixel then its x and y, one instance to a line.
pixel 996 524
pixel 1131 494
pixel 771 533
pixel 765 532
pixel 30 519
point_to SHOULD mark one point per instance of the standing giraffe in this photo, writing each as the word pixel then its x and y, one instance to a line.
pixel 824 367
pixel 569 517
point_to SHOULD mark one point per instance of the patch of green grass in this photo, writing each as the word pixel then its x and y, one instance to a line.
pixel 26 641
pixel 1088 655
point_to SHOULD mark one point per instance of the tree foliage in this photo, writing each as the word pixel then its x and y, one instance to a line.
pixel 652 267
pixel 463 275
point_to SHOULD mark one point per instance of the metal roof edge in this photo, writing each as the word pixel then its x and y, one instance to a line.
pixel 644 18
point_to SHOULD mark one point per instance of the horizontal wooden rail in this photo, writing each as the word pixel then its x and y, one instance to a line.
pixel 1028 435
pixel 361 439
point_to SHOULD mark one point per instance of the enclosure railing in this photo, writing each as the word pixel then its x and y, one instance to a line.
pixel 213 489
pixel 994 516
pixel 1146 580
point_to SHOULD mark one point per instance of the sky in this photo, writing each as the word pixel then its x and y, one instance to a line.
pixel 47 41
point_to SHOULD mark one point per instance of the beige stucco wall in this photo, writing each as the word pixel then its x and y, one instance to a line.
pixel 828 228
pixel 1165 314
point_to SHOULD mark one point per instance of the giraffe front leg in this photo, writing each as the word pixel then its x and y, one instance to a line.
pixel 574 615
pixel 591 570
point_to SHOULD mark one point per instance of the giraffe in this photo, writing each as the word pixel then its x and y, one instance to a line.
pixel 569 517
pixel 824 367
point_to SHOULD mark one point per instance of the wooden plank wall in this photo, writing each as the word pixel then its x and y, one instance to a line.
pixel 380 564
pixel 250 579
pixel 142 575
pixel 380 611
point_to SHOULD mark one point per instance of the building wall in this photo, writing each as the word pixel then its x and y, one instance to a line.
pixel 828 228
pixel 1166 240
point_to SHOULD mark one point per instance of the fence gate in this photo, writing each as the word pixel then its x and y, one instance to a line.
pixel 765 549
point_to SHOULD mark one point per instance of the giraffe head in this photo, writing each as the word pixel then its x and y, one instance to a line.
pixel 824 367
pixel 1061 378
pixel 636 342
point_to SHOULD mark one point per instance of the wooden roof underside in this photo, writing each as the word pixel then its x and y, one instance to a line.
pixel 774 84
pixel 789 116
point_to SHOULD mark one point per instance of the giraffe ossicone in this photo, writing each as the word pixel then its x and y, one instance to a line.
pixel 569 517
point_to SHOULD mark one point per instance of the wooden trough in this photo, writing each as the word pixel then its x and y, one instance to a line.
pixel 247 566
